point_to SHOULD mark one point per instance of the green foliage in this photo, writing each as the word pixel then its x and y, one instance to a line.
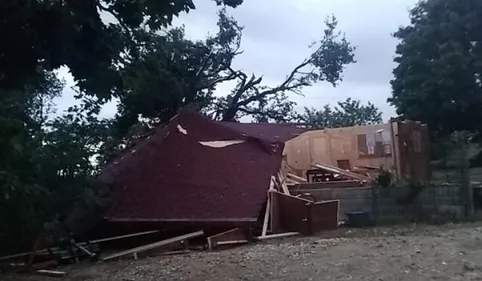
pixel 45 165
pixel 192 70
pixel 383 179
pixel 170 72
pixel 115 49
pixel 415 188
pixel 348 113
pixel 88 36
pixel 439 71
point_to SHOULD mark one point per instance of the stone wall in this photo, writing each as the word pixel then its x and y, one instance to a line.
pixel 388 205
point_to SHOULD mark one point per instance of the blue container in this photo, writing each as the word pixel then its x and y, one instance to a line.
pixel 358 219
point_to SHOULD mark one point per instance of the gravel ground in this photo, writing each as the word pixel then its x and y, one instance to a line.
pixel 414 252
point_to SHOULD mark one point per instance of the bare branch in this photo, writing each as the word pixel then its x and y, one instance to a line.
pixel 285 86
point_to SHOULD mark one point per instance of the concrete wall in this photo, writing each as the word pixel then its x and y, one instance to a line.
pixel 387 205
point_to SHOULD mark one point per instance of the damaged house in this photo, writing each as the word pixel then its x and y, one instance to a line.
pixel 200 173
pixel 399 146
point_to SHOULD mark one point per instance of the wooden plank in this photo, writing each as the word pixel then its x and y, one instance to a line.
pixel 266 216
pixel 233 242
pixel 123 236
pixel 329 184
pixel 272 184
pixel 45 251
pixel 279 235
pixel 51 273
pixel 233 234
pixel 336 170
pixel 296 178
pixel 291 182
pixel 83 249
pixel 154 245
pixel 170 253
pixel 296 197
pixel 284 187
pixel 222 220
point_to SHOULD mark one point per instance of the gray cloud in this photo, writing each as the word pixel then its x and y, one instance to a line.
pixel 277 34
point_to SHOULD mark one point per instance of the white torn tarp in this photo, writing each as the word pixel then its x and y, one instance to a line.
pixel 220 144
pixel 181 129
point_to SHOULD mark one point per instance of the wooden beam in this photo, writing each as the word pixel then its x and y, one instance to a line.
pixel 82 248
pixel 284 187
pixel 279 235
pixel 337 170
pixel 123 236
pixel 51 273
pixel 266 216
pixel 181 220
pixel 45 251
pixel 154 245
pixel 233 242
pixel 179 252
pixel 233 234
pixel 296 197
pixel 296 178
pixel 329 184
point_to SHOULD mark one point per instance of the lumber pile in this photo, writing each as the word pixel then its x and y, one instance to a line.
pixel 345 173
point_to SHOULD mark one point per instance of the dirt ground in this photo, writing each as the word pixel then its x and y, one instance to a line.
pixel 412 252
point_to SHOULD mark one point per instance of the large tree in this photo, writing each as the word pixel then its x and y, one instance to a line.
pixel 170 71
pixel 347 113
pixel 438 76
pixel 87 36
pixel 326 63
pixel 46 165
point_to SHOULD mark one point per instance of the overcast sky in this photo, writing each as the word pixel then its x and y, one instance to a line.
pixel 276 36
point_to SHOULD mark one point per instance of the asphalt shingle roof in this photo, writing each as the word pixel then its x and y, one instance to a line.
pixel 170 176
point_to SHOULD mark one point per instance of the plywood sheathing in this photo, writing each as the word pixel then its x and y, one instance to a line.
pixel 330 145
pixel 344 146
pixel 306 216
pixel 413 150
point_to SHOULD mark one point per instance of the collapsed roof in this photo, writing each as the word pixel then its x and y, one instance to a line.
pixel 197 170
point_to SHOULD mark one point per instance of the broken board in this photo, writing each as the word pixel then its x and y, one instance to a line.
pixel 230 237
pixel 154 245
